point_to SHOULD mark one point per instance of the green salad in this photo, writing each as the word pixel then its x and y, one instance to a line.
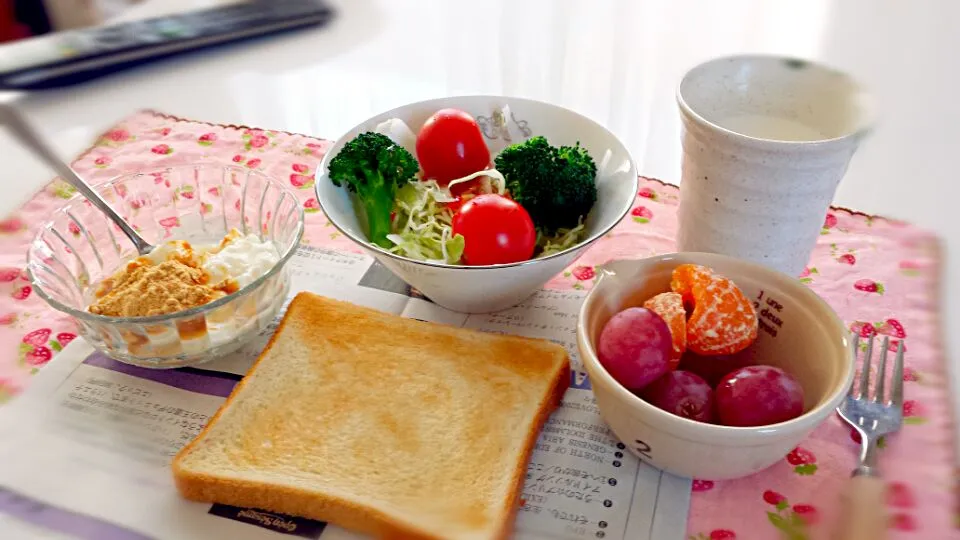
pixel 452 204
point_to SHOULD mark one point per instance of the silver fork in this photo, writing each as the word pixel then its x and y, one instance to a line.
pixel 872 417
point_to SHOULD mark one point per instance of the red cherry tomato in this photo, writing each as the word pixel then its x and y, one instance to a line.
pixel 495 229
pixel 456 205
pixel 450 146
pixel 463 193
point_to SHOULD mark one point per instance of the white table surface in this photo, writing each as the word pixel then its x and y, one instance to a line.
pixel 617 61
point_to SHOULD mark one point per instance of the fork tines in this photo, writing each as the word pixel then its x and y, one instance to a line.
pixel 896 384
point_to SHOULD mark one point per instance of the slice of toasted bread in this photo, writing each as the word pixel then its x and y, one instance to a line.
pixel 382 425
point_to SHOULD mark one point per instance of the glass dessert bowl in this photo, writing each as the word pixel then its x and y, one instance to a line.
pixel 216 279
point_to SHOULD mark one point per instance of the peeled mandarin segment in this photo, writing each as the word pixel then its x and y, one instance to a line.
pixel 669 306
pixel 723 320
pixel 686 277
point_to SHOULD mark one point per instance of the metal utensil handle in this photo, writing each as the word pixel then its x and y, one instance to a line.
pixel 25 133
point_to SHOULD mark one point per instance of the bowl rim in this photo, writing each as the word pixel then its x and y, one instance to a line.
pixel 864 126
pixel 243 291
pixel 323 176
pixel 828 403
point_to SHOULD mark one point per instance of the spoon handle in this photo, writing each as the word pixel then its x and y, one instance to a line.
pixel 24 132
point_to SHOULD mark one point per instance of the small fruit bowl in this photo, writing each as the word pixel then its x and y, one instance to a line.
pixel 799 333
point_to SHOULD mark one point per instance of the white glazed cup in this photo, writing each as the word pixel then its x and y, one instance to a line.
pixel 766 141
pixel 799 333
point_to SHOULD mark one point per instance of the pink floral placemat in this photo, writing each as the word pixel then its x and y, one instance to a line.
pixel 880 276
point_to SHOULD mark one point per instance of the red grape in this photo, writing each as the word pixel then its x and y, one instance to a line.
pixel 713 367
pixel 758 396
pixel 635 347
pixel 683 394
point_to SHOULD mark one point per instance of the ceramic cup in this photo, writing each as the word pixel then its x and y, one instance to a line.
pixel 766 141
pixel 798 333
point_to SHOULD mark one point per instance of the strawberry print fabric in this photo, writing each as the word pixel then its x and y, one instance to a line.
pixel 879 275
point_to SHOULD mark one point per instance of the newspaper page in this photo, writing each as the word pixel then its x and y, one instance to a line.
pixel 85 451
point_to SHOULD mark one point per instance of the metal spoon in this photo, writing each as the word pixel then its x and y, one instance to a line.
pixel 18 125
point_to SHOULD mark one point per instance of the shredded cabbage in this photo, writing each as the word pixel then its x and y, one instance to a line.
pixel 561 240
pixel 423 223
pixel 493 182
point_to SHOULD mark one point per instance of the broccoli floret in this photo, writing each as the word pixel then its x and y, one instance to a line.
pixel 374 167
pixel 557 186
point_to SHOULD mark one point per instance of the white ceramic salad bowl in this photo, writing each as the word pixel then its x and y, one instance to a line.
pixel 503 121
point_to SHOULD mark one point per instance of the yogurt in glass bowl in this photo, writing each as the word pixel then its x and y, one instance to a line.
pixel 217 277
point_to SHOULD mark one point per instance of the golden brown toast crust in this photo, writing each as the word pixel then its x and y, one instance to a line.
pixel 327 507
pixel 560 384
